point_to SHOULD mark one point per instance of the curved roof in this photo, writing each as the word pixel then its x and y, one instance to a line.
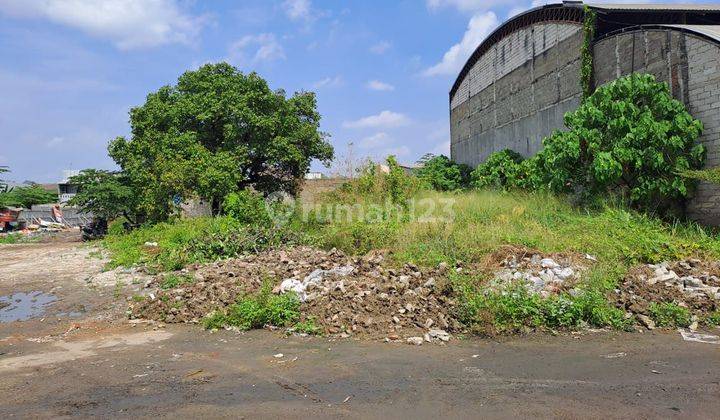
pixel 702 19
pixel 547 13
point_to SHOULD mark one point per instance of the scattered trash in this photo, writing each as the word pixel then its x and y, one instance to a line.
pixel 278 356
pixel 347 399
pixel 615 355
pixel 698 337
pixel 151 244
pixel 657 372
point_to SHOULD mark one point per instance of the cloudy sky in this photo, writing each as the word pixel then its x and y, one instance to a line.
pixel 71 69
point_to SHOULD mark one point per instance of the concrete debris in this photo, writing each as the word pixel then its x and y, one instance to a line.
pixel 543 275
pixel 691 283
pixel 364 297
pixel 314 280
pixel 416 341
pixel 698 337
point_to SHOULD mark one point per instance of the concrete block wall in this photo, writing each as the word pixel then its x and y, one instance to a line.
pixel 517 93
pixel 690 66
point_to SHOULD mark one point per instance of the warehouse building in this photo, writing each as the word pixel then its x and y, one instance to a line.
pixel 516 87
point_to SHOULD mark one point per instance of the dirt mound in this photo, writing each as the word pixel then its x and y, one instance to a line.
pixel 345 296
pixel 692 283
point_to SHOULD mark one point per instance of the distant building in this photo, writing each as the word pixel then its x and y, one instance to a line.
pixel 313 175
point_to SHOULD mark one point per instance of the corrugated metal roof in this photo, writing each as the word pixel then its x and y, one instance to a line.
pixel 658 6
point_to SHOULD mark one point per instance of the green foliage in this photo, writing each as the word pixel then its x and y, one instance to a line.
pixel 710 175
pixel 630 138
pixel 668 314
pixel 514 308
pixel 196 240
pixel 586 69
pixel 26 197
pixel 172 280
pixel 247 207
pixel 215 132
pixel 375 186
pixel 257 311
pixel 106 194
pixel 308 326
pixel 713 319
pixel 398 183
pixel 501 170
pixel 442 174
pixel 10 238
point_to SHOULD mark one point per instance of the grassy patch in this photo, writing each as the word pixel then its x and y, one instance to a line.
pixel 173 280
pixel 668 314
pixel 10 238
pixel 514 309
pixel 251 312
pixel 713 319
pixel 187 241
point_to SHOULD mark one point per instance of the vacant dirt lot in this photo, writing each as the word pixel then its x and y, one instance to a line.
pixel 102 365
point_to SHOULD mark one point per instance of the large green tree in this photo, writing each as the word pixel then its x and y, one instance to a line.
pixel 106 194
pixel 217 131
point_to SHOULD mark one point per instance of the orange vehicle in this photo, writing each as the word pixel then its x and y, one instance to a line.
pixel 8 216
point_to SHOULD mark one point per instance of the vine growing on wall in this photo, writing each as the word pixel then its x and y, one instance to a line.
pixel 586 71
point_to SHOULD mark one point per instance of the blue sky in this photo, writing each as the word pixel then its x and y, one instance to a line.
pixel 71 69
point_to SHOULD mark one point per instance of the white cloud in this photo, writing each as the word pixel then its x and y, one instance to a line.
pixel 55 141
pixel 328 82
pixel 469 5
pixel 375 141
pixel 379 86
pixel 298 9
pixel 386 119
pixel 129 24
pixel 254 49
pixel 479 27
pixel 381 47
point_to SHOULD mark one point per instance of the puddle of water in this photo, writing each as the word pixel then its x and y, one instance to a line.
pixel 22 306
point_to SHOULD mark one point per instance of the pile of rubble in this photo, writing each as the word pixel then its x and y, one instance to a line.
pixel 693 284
pixel 545 275
pixel 346 297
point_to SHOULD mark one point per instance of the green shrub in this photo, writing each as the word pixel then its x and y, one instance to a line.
pixel 442 174
pixel 669 314
pixel 513 308
pixel 501 170
pixel 196 240
pixel 247 207
pixel 257 311
pixel 630 138
pixel 713 319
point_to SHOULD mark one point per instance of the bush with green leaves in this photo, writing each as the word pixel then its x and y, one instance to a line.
pixel 247 207
pixel 501 170
pixel 630 138
pixel 442 174
pixel 256 311
pixel 26 197
pixel 668 314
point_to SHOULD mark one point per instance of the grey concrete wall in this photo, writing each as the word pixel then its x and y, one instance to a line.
pixel 517 93
pixel 689 64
